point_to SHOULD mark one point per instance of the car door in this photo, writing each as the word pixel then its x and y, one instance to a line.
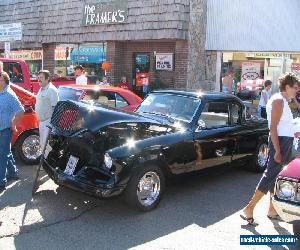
pixel 246 134
pixel 213 141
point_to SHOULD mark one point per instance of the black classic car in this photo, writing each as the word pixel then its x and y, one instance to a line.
pixel 105 152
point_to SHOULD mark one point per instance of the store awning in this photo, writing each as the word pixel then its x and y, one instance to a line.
pixel 256 25
pixel 85 55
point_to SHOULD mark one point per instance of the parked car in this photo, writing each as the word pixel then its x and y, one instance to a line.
pixel 19 74
pixel 286 198
pixel 105 95
pixel 106 152
pixel 25 141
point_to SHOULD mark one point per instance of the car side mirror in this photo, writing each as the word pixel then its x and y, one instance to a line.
pixel 201 125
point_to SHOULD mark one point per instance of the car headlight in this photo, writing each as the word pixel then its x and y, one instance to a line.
pixel 286 190
pixel 107 161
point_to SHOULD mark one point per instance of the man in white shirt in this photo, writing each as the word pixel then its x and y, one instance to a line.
pixel 81 79
pixel 46 100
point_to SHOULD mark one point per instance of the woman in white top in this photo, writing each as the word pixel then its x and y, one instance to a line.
pixel 280 119
pixel 264 98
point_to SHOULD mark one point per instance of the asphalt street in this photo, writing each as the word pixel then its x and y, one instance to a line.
pixel 198 211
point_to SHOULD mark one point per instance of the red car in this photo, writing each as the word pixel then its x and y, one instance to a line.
pixel 25 142
pixel 105 95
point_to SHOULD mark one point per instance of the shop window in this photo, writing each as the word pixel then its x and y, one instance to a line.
pixel 14 71
pixel 142 62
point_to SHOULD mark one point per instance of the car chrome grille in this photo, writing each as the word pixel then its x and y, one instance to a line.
pixel 66 118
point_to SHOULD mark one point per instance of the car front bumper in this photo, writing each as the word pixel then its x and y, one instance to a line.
pixel 289 212
pixel 79 184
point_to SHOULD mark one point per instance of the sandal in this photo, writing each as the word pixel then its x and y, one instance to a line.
pixel 274 217
pixel 250 220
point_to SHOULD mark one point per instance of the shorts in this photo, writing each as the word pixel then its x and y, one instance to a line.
pixel 267 181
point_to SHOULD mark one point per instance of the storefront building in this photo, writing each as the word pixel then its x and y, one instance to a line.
pixel 146 37
pixel 258 40
pixel 176 43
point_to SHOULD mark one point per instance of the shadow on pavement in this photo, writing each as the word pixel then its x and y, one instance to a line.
pixel 201 199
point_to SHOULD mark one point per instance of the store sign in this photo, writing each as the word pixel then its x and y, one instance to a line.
pixel 60 54
pixel 250 70
pixel 268 55
pixel 28 55
pixel 105 12
pixel 31 55
pixel 10 32
pixel 164 61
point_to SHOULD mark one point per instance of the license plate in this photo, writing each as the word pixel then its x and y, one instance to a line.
pixel 71 165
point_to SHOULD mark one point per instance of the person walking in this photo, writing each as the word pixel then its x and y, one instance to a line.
pixel 11 111
pixel 81 79
pixel 264 98
pixel 280 121
pixel 46 100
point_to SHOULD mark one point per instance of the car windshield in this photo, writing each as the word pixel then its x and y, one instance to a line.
pixel 173 106
pixel 69 94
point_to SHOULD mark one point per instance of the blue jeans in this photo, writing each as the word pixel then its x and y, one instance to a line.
pixel 7 162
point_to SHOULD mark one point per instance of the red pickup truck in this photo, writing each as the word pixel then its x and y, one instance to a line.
pixel 19 74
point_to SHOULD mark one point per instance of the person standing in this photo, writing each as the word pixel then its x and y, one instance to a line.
pixel 227 83
pixel 104 82
pixel 280 121
pixel 264 98
pixel 124 84
pixel 81 79
pixel 46 100
pixel 11 111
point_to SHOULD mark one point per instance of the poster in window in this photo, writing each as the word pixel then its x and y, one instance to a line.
pixel 164 61
pixel 250 70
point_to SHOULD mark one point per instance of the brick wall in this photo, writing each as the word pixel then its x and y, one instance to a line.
pixel 120 55
pixel 49 57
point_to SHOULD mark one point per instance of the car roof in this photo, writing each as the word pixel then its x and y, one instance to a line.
pixel 96 87
pixel 199 94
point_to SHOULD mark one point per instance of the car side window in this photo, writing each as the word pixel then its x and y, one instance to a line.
pixel 235 114
pixel 120 101
pixel 214 115
pixel 14 71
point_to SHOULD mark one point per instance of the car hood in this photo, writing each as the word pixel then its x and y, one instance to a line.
pixel 26 98
pixel 70 116
pixel 292 170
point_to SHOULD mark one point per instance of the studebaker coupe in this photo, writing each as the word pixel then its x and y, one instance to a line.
pixel 106 152
pixel 286 198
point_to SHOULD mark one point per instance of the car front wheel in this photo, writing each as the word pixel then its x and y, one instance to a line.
pixel 27 147
pixel 261 157
pixel 145 188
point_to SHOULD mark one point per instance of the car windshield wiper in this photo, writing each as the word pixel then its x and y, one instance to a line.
pixel 170 119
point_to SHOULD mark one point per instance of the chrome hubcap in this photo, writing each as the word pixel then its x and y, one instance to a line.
pixel 263 155
pixel 31 147
pixel 148 188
